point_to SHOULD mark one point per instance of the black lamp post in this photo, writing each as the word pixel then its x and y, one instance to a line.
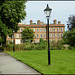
pixel 13 42
pixel 47 11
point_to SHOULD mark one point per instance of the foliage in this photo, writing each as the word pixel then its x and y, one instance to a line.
pixel 28 34
pixel 1 40
pixel 71 47
pixel 56 45
pixel 62 61
pixel 43 45
pixel 3 29
pixel 69 37
pixel 11 13
pixel 1 49
pixel 71 22
pixel 41 41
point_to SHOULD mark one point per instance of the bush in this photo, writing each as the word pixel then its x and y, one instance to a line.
pixel 71 47
pixel 1 49
pixel 42 45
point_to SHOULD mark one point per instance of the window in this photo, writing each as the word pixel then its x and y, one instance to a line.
pixel 61 35
pixel 21 41
pixel 34 41
pixel 44 30
pixel 41 35
pixel 34 29
pixel 37 30
pixel 37 35
pixel 17 35
pixel 57 35
pixel 41 30
pixel 13 36
pixel 20 35
pixel 50 40
pixel 57 29
pixel 44 35
pixel 54 29
pixel 50 29
pixel 18 31
pixel 21 29
pixel 37 41
pixel 34 35
pixel 61 29
pixel 54 35
pixel 8 36
pixel 50 35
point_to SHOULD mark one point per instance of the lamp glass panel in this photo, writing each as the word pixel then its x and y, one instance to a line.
pixel 47 13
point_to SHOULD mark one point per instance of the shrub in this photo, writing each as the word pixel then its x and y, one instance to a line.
pixel 43 45
pixel 1 49
pixel 71 47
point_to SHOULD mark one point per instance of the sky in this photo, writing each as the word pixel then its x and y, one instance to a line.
pixel 61 10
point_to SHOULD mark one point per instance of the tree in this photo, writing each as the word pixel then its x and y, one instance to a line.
pixel 71 22
pixel 41 41
pixel 69 37
pixel 27 34
pixel 11 13
pixel 1 40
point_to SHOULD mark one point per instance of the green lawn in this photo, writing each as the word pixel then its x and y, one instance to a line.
pixel 62 61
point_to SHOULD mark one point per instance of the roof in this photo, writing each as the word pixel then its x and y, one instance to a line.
pixel 39 26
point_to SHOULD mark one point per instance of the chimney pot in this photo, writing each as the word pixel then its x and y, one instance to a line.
pixel 31 22
pixel 59 22
pixel 38 22
pixel 55 21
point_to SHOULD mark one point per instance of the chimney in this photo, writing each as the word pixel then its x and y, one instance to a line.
pixel 59 22
pixel 31 22
pixel 38 22
pixel 55 21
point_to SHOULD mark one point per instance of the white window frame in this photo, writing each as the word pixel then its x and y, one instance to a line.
pixel 44 35
pixel 50 40
pixel 44 29
pixel 40 29
pixel 57 29
pixel 50 29
pixel 34 35
pixel 20 35
pixel 34 41
pixel 57 34
pixel 54 35
pixel 34 29
pixel 61 34
pixel 37 41
pixel 37 30
pixel 41 35
pixel 37 35
pixel 53 29
pixel 21 29
pixel 61 29
pixel 17 35
pixel 50 35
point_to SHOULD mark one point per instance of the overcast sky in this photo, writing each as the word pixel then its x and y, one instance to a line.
pixel 61 10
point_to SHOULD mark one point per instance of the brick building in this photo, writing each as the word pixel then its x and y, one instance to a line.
pixel 56 31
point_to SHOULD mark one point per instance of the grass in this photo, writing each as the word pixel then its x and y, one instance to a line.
pixel 62 61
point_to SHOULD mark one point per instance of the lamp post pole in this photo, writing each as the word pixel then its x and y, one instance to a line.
pixel 48 42
pixel 48 12
pixel 13 43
